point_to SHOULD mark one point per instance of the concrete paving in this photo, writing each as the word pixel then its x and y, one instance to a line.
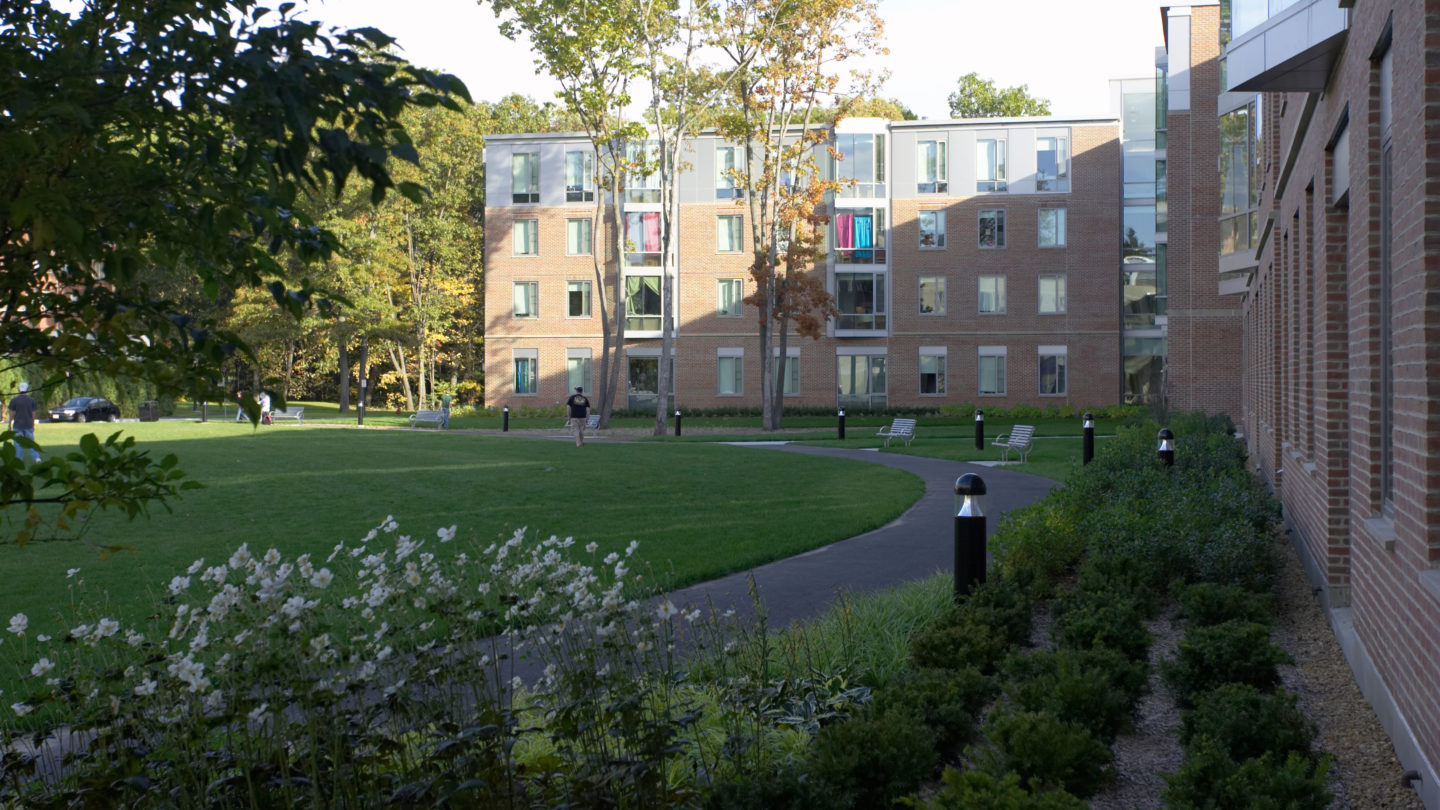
pixel 913 546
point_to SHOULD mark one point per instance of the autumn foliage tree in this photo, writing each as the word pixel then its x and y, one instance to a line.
pixel 788 54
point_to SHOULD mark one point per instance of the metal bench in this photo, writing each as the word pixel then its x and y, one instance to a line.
pixel 592 423
pixel 1018 439
pixel 436 418
pixel 298 414
pixel 898 429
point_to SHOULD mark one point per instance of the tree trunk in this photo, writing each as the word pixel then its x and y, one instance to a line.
pixel 397 358
pixel 364 371
pixel 614 349
pixel 343 359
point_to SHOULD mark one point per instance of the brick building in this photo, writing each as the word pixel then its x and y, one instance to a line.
pixel 1323 118
pixel 971 261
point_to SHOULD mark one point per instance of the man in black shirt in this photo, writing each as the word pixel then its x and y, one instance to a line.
pixel 22 420
pixel 579 411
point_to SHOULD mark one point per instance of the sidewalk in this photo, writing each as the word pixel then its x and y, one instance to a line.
pixel 913 546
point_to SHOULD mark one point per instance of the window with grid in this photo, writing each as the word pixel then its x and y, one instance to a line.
pixel 527 297
pixel 579 177
pixel 577 237
pixel 1051 227
pixel 729 233
pixel 730 295
pixel 525 177
pixel 1052 370
pixel 727 184
pixel 992 370
pixel 932 172
pixel 1052 164
pixel 990 165
pixel 526 235
pixel 932 295
pixel 992 228
pixel 932 373
pixel 577 298
pixel 642 239
pixel 730 374
pixel 992 294
pixel 932 229
pixel 527 375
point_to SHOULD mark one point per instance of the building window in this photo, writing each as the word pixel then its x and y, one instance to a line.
pixel 933 173
pixel 992 228
pixel 729 233
pixel 1239 178
pixel 932 230
pixel 1052 295
pixel 789 377
pixel 730 295
pixel 860 298
pixel 990 165
pixel 730 371
pixel 858 235
pixel 932 295
pixel 642 303
pixel 727 181
pixel 643 389
pixel 861 380
pixel 932 372
pixel 642 185
pixel 642 239
pixel 579 177
pixel 526 234
pixel 1052 164
pixel 1052 227
pixel 577 237
pixel 1052 371
pixel 577 297
pixel 526 374
pixel 863 162
pixel 992 370
pixel 577 369
pixel 525 177
pixel 1138 246
pixel 992 294
pixel 527 297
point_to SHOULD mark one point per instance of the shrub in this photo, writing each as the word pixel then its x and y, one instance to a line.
pixel 1045 751
pixel 1123 575
pixel 1233 652
pixel 978 790
pixel 1208 603
pixel 1244 723
pixel 947 702
pixel 1095 689
pixel 873 758
pixel 958 643
pixel 1085 621
pixel 1211 779
pixel 1003 604
pixel 1038 544
pixel 786 788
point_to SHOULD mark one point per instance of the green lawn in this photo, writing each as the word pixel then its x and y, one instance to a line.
pixel 698 510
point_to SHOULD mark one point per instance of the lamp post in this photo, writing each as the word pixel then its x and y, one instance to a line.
pixel 1166 450
pixel 1087 445
pixel 979 429
pixel 969 533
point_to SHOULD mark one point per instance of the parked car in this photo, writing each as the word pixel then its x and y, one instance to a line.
pixel 85 409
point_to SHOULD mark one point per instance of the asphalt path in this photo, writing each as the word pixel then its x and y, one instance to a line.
pixel 918 543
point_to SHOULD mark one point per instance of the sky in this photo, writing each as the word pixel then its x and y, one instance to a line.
pixel 1063 50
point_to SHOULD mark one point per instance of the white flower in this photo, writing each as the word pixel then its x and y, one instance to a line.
pixel 41 667
pixel 692 615
pixel 196 566
pixel 18 623
pixel 630 549
pixel 190 671
pixel 446 535
pixel 21 709
pixel 146 687
pixel 258 712
pixel 322 578
pixel 666 610
pixel 612 558
pixel 272 556
pixel 105 628
pixel 178 584
pixel 241 557
pixel 133 638
pixel 592 547
pixel 71 572
pixel 483 588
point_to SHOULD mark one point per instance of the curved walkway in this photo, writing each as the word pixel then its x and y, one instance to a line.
pixel 913 546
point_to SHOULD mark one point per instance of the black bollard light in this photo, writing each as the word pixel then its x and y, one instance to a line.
pixel 1167 447
pixel 505 419
pixel 979 429
pixel 1087 445
pixel 840 423
pixel 969 533
pixel 677 421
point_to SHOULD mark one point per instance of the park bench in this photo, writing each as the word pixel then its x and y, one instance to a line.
pixel 1018 439
pixel 297 414
pixel 592 423
pixel 898 429
pixel 436 418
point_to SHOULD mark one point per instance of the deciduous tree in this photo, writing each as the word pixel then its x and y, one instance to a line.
pixel 975 97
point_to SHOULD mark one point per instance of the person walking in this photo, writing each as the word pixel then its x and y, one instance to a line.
pixel 445 411
pixel 240 407
pixel 579 412
pixel 22 420
pixel 265 408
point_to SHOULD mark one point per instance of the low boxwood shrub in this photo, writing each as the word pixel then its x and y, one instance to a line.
pixel 1086 620
pixel 1124 575
pixel 1096 688
pixel 1232 652
pixel 1210 779
pixel 1245 723
pixel 960 641
pixel 946 701
pixel 1045 751
pixel 788 787
pixel 1004 604
pixel 1209 603
pixel 873 758
pixel 978 790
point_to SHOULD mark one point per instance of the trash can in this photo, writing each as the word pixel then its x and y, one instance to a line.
pixel 150 411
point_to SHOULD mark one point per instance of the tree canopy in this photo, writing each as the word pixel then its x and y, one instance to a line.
pixel 149 148
pixel 975 97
